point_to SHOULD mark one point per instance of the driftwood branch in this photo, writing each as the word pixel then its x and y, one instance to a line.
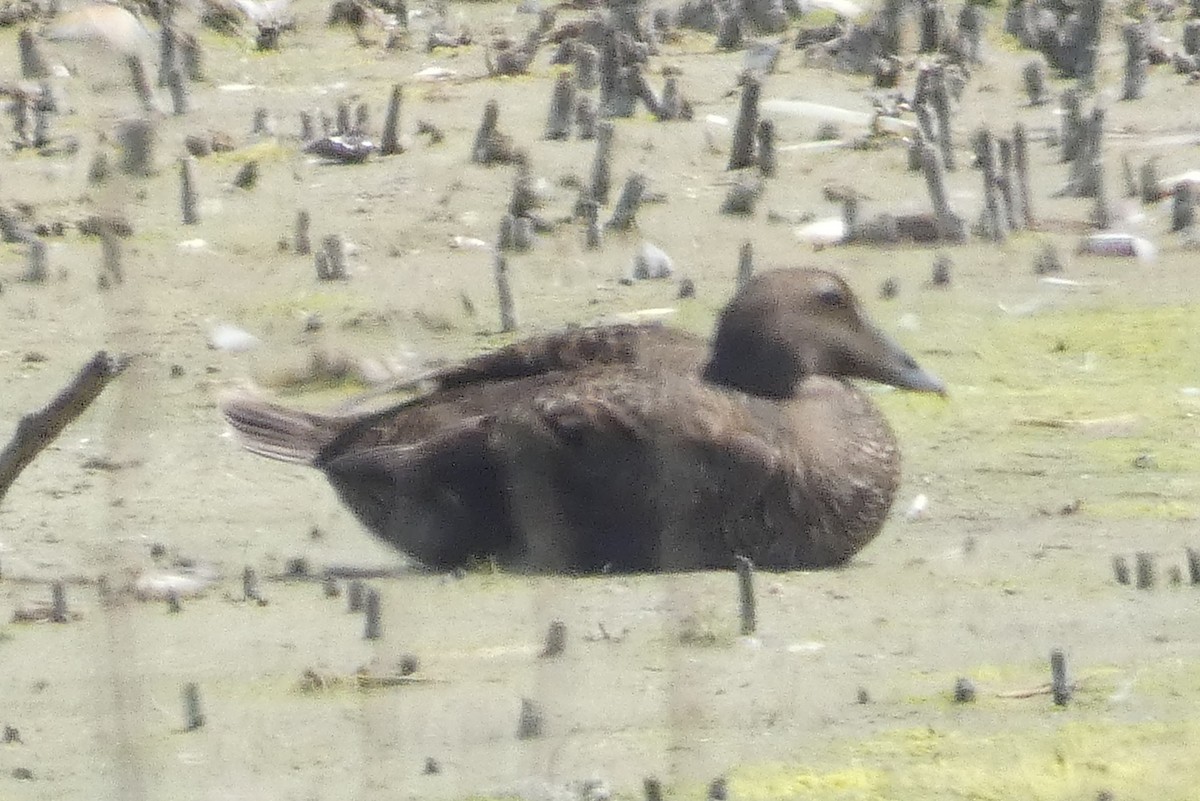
pixel 38 429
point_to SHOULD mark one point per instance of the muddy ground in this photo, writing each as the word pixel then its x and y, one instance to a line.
pixel 1070 437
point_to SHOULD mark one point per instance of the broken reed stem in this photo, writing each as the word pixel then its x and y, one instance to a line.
pixel 508 312
pixel 556 640
pixel 586 118
pixel 935 180
pixel 1101 215
pixel 390 143
pixel 191 57
pixel 249 584
pixel 1060 690
pixel 993 222
pixel 1004 179
pixel 33 62
pixel 601 181
pixel 1021 167
pixel 1072 123
pixel 745 269
pixel 372 627
pixel 481 149
pixel 529 725
pixel 36 261
pixel 741 151
pixel 628 203
pixel 178 90
pixel 1137 61
pixel 166 48
pixel 1145 570
pixel 331 260
pixel 38 429
pixel 111 270
pixel 1183 212
pixel 747 609
pixel 1035 82
pixel 141 82
pixel 193 716
pixel 939 97
pixel 354 595
pixel 58 602
pixel 187 190
pixel 301 243
pixel 590 210
pixel 137 140
pixel 1120 569
pixel 562 105
pixel 766 148
pixel 1148 180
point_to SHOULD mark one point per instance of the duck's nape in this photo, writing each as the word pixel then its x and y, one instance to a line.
pixel 787 324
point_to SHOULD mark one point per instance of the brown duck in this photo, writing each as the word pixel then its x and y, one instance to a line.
pixel 630 448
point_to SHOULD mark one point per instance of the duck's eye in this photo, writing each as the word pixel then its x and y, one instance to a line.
pixel 832 297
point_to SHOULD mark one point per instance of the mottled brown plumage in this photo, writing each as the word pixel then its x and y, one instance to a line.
pixel 630 448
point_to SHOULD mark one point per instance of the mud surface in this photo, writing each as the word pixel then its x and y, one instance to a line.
pixel 1070 437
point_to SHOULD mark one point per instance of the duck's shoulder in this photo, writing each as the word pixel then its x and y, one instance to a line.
pixel 574 349
pixel 577 362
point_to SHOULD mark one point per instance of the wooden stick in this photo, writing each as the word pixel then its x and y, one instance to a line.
pixel 508 311
pixel 745 264
pixel 372 627
pixel 390 145
pixel 586 118
pixel 1137 61
pixel 58 604
pixel 187 190
pixel 748 613
pixel 193 716
pixel 141 83
pixel 627 204
pixel 766 148
pixel 178 90
pixel 111 271
pixel 741 151
pixel 562 106
pixel 601 180
pixel 33 61
pixel 1145 570
pixel 1183 213
pixel 38 429
pixel 1034 74
pixel 1059 687
pixel 1021 168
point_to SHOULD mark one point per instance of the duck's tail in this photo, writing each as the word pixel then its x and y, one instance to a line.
pixel 277 432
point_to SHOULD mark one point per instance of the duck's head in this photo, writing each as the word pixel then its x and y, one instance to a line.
pixel 787 324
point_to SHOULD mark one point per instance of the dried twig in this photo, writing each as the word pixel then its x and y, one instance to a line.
pixel 38 429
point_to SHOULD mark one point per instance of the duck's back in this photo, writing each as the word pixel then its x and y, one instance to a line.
pixel 499 380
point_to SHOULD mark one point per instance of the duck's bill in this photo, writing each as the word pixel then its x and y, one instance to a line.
pixel 892 365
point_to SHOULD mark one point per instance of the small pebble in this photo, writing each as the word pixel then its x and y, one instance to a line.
pixel 964 691
pixel 432 767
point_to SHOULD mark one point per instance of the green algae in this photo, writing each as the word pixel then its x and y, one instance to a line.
pixel 1065 762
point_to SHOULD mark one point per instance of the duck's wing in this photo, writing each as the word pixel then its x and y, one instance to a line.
pixel 563 351
pixel 439 500
pixel 630 475
pixel 494 382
